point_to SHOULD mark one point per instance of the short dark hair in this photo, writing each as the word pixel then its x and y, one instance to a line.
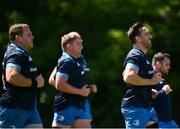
pixel 134 31
pixel 16 29
pixel 160 57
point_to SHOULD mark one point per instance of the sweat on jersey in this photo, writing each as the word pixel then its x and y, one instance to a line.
pixel 14 96
pixel 77 73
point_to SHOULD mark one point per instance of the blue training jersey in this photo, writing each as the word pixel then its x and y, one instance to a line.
pixel 138 96
pixel 162 103
pixel 77 73
pixel 14 96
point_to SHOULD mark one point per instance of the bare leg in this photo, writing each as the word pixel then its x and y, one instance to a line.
pixel 55 125
pixel 82 123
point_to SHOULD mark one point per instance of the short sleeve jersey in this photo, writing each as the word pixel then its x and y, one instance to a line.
pixel 77 73
pixel 14 96
pixel 138 96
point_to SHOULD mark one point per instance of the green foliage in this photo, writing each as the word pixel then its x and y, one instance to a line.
pixel 103 25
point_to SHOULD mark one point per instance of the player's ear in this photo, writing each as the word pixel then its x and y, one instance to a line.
pixel 137 38
pixel 158 63
pixel 17 37
pixel 68 45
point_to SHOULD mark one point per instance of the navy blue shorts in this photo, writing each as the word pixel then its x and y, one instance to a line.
pixel 138 117
pixel 170 124
pixel 18 118
pixel 70 114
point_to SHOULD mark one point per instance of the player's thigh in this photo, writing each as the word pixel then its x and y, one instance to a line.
pixel 83 118
pixel 56 125
pixel 34 120
pixel 13 117
pixel 135 117
pixel 81 123
pixel 64 118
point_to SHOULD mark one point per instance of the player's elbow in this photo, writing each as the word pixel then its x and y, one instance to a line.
pixel 11 78
pixel 59 86
pixel 128 78
pixel 51 81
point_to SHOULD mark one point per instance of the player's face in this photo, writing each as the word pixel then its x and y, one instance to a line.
pixel 27 39
pixel 145 37
pixel 165 66
pixel 77 45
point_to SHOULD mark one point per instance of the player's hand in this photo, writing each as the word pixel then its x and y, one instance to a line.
pixel 157 77
pixel 93 88
pixel 85 91
pixel 154 93
pixel 40 81
pixel 167 89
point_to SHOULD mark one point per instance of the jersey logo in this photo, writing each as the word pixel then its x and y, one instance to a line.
pixel 161 82
pixel 86 69
pixel 1 122
pixel 61 118
pixel 78 64
pixel 147 62
pixel 30 59
pixel 136 122
pixel 33 69
pixel 151 72
pixel 82 72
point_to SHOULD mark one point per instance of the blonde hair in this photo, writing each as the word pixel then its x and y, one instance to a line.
pixel 68 39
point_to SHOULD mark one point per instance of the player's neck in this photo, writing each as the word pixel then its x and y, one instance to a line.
pixel 141 47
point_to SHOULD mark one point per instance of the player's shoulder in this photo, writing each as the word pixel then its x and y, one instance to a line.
pixel 134 53
pixel 65 59
pixel 13 50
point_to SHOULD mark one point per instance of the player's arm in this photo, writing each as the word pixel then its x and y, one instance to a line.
pixel 61 83
pixel 154 93
pixel 130 76
pixel 93 88
pixel 52 77
pixel 165 90
pixel 14 77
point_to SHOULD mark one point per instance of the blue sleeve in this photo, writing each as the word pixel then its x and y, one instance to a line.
pixel 13 65
pixel 14 61
pixel 60 74
pixel 64 69
pixel 134 61
pixel 131 65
